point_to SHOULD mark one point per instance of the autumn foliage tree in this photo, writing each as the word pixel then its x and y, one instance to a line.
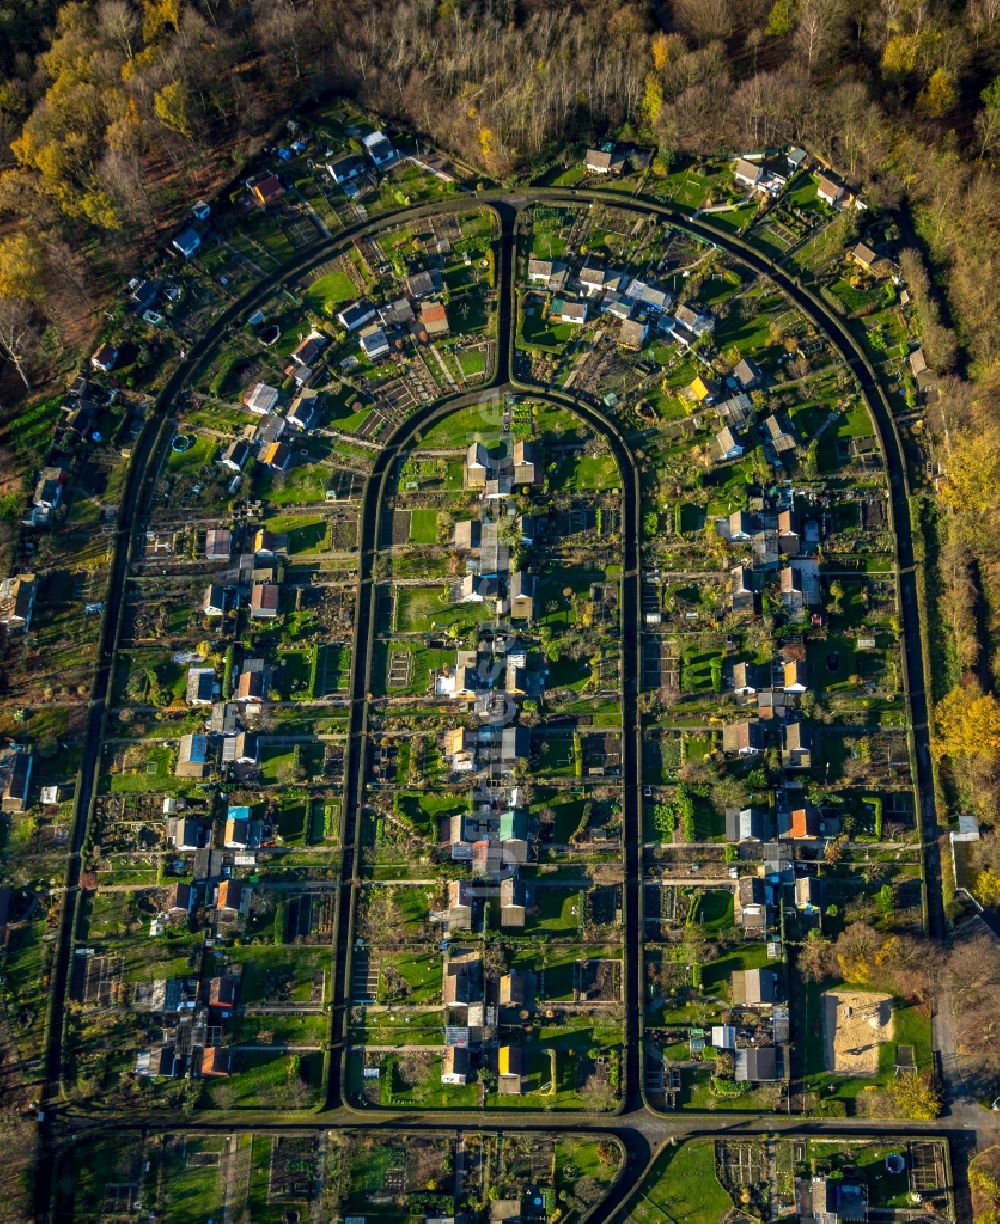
pixel 967 726
pixel 915 1097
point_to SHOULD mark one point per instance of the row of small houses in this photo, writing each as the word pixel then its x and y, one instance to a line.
pixel 780 542
pixel 470 1015
pixel 420 313
pixel 759 173
pixel 637 303
pixel 225 730
pixel 16 770
pixel 265 189
pixel 194 1012
pixel 492 838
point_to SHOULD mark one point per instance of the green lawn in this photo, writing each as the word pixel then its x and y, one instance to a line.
pixel 421 972
pixel 715 911
pixel 544 333
pixel 716 974
pixel 582 1158
pixel 261 1080
pixel 419 609
pixel 325 294
pixel 559 909
pixel 423 526
pixel 472 361
pixel 305 532
pixel 590 472
pixel 423 809
pixel 804 194
pixel 424 1091
pixel 832 662
pixel 199 455
pixel 30 431
pixel 298 486
pixel 192 1187
pixel 856 423
pixel 735 219
pixel 458 429
pixel 701 670
pixel 682 1187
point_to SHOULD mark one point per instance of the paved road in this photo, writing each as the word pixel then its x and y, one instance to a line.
pixel 639 1129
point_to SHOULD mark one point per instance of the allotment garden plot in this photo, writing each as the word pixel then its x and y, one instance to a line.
pixel 778 798
pixel 488 964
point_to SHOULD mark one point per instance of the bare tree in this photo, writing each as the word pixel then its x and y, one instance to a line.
pixel 18 334
pixel 119 23
pixel 121 175
pixel 704 19
pixel 281 27
pixel 820 29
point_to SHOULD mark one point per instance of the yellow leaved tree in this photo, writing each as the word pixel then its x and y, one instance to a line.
pixel 899 57
pixel 21 270
pixel 158 16
pixel 971 488
pixel 940 95
pixel 967 726
pixel 170 105
pixel 660 48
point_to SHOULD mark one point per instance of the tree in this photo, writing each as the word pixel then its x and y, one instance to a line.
pixel 915 1097
pixel 856 949
pixel 158 16
pixel 704 20
pixel 170 105
pixel 819 30
pixel 781 18
pixel 967 723
pixel 987 888
pixel 973 981
pixel 21 268
pixel 984 1174
pixel 494 959
pixel 940 95
pixel 119 23
pixel 899 56
pixel 652 100
pixel 283 28
pixel 18 334
pixel 813 957
pixel 988 119
pixel 598 1095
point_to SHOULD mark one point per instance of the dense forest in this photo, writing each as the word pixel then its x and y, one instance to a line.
pixel 115 114
pixel 113 111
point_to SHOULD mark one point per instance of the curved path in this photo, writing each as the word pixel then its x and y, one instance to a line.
pixel 638 1128
pixel 373 499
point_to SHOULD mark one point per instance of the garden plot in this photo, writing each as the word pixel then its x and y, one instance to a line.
pixel 121 1198
pixel 301 232
pixel 661 665
pixel 293 1172
pixel 344 485
pixel 373 426
pixel 927 1172
pixel 400 666
pixel 599 981
pixel 98 979
pixel 855 1024
pixel 400 527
